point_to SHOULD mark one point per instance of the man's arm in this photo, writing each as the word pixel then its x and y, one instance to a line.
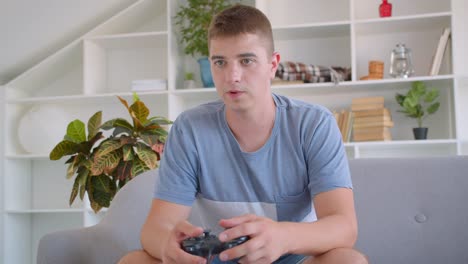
pixel 161 221
pixel 336 226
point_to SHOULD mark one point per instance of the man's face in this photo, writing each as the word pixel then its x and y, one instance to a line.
pixel 242 70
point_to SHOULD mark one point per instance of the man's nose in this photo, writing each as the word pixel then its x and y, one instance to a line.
pixel 233 72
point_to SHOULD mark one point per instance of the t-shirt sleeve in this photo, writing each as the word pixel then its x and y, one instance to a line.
pixel 326 157
pixel 177 180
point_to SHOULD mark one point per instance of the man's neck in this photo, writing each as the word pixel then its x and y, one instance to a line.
pixel 252 128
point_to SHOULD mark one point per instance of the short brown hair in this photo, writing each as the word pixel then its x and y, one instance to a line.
pixel 240 19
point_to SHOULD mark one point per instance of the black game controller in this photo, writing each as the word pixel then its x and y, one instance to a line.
pixel 208 245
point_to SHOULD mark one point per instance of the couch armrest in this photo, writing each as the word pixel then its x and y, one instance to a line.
pixel 109 240
pixel 65 246
pixel 97 244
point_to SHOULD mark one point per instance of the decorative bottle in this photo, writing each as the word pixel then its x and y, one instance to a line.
pixel 385 9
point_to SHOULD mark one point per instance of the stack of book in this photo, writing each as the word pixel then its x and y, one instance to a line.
pixel 372 121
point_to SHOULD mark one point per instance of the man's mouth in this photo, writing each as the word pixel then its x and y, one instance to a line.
pixel 235 93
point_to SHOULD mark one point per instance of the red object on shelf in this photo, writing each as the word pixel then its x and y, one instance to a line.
pixel 385 9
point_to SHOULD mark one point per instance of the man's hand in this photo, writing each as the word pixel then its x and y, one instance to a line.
pixel 264 245
pixel 173 252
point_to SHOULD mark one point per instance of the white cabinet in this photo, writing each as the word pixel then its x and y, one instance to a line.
pixel 140 43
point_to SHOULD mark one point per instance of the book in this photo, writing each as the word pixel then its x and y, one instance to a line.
pixel 348 127
pixel 373 124
pixel 343 116
pixel 371 119
pixel 344 120
pixel 368 100
pixel 367 103
pixel 373 136
pixel 439 53
pixel 363 107
pixel 372 112
pixel 371 130
pixel 337 116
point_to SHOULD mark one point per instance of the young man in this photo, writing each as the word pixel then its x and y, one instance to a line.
pixel 254 164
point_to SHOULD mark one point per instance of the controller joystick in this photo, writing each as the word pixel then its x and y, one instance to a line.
pixel 207 245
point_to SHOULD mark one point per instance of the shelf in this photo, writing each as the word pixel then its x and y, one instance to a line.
pixel 401 143
pixel 27 180
pixel 96 98
pixel 46 211
pixel 317 30
pixel 185 99
pixel 408 19
pixel 146 40
pixel 283 13
pixel 420 35
pixel 312 45
pixel 51 76
pixel 189 92
pixel 81 108
pixel 25 230
pixel 113 62
pixel 27 156
pixel 371 86
pixel 410 24
pixel 327 87
pixel 369 9
pixel 143 16
pixel 410 148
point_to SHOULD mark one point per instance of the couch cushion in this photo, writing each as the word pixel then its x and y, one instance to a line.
pixel 412 210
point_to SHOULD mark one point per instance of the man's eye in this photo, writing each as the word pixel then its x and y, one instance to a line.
pixel 219 63
pixel 246 61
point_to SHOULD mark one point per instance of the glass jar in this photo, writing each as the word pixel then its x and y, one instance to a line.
pixel 401 65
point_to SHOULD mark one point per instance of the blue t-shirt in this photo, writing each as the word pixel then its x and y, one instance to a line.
pixel 203 163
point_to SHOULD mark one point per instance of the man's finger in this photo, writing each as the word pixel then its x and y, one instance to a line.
pixel 185 229
pixel 231 222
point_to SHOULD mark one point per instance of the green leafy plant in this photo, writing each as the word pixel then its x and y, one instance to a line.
pixel 189 76
pixel 194 20
pixel 104 165
pixel 419 102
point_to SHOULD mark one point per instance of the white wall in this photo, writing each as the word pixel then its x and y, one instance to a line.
pixel 32 30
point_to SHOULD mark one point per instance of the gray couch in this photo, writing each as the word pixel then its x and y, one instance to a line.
pixel 409 211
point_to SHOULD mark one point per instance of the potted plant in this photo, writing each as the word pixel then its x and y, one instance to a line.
pixel 102 165
pixel 419 102
pixel 193 20
pixel 189 81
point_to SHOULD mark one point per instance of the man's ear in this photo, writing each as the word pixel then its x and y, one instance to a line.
pixel 275 59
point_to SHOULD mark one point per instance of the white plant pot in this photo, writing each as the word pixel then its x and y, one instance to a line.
pixel 189 84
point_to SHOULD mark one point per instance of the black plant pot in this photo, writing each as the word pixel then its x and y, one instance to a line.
pixel 420 133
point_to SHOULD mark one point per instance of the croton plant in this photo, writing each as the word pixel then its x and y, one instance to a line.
pixel 102 165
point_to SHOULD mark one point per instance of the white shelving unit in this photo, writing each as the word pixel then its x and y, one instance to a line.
pixel 2 170
pixel 140 43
